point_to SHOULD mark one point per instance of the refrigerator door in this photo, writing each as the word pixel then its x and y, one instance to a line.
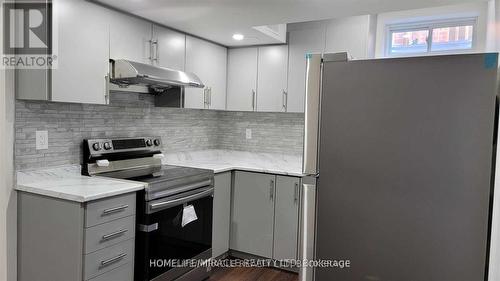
pixel 405 168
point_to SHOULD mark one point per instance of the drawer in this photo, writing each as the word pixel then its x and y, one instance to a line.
pixel 107 259
pixel 110 233
pixel 105 210
pixel 122 273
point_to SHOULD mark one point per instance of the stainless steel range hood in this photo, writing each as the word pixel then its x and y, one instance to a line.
pixel 126 73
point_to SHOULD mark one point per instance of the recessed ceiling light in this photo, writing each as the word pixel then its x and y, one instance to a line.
pixel 238 37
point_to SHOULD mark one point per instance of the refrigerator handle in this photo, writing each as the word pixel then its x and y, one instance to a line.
pixel 312 114
pixel 307 230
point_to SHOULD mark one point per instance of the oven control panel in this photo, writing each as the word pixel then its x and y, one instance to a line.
pixel 104 146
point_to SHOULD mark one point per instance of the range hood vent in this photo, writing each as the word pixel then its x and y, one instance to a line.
pixel 125 73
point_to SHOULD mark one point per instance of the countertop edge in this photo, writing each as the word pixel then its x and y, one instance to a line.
pixel 77 198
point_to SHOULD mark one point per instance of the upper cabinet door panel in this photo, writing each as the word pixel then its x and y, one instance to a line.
pixel 170 49
pixel 272 78
pixel 129 37
pixel 242 79
pixel 209 62
pixel 301 42
pixel 83 52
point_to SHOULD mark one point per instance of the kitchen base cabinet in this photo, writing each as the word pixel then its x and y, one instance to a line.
pixel 222 214
pixel 286 218
pixel 56 242
pixel 252 216
pixel 265 215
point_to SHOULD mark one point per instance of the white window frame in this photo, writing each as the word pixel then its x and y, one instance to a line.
pixel 430 26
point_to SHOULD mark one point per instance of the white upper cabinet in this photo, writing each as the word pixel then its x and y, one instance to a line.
pixel 242 79
pixel 301 42
pixel 209 62
pixel 129 38
pixel 169 48
pixel 83 52
pixel 272 78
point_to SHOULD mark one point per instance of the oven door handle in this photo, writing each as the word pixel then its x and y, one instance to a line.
pixel 174 202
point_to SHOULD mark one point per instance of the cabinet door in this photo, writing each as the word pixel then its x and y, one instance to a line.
pixel 129 38
pixel 83 52
pixel 222 214
pixel 272 78
pixel 209 62
pixel 286 220
pixel 170 48
pixel 301 42
pixel 253 213
pixel 242 79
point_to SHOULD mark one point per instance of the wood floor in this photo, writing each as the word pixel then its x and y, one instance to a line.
pixel 251 274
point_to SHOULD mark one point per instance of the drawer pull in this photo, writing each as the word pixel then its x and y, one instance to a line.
pixel 114 234
pixel 114 210
pixel 112 260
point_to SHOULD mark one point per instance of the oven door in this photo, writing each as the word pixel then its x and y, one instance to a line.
pixel 174 229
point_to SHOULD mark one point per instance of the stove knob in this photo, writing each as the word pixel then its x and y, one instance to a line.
pixel 107 146
pixel 149 142
pixel 96 146
pixel 157 142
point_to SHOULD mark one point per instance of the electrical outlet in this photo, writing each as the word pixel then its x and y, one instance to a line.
pixel 42 140
pixel 249 134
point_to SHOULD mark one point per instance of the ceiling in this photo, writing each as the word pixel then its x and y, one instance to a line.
pixel 218 20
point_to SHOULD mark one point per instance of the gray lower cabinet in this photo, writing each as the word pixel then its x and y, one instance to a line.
pixel 221 214
pixel 252 213
pixel 60 240
pixel 286 218
pixel 265 215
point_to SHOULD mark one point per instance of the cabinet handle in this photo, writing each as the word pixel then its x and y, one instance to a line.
pixel 253 100
pixel 114 210
pixel 114 234
pixel 284 100
pixel 210 96
pixel 296 193
pixel 157 55
pixel 271 190
pixel 113 260
pixel 205 91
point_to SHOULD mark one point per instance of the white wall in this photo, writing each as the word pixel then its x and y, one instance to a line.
pixel 477 9
pixel 8 219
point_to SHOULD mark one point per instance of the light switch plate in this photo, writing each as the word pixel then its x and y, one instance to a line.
pixel 249 134
pixel 42 140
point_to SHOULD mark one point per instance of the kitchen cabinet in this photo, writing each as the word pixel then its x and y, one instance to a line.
pixel 272 78
pixel 221 214
pixel 129 38
pixel 242 79
pixel 62 240
pixel 81 68
pixel 169 48
pixel 301 42
pixel 286 218
pixel 252 213
pixel 265 215
pixel 82 65
pixel 209 62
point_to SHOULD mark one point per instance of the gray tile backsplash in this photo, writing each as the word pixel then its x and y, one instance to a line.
pixel 131 115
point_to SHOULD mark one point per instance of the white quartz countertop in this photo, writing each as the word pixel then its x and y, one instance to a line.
pixel 227 160
pixel 66 182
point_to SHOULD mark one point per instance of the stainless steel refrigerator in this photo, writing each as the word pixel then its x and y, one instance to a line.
pixel 399 155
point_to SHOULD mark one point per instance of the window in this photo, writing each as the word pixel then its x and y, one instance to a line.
pixel 431 37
